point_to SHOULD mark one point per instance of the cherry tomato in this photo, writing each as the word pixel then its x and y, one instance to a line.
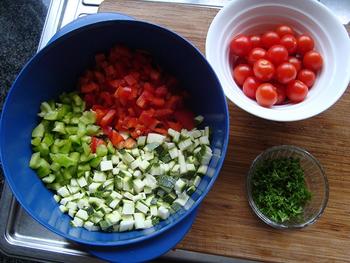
pixel 241 72
pixel 313 60
pixel 290 43
pixel 256 54
pixel 295 62
pixel 266 95
pixel 305 44
pixel 239 60
pixel 255 40
pixel 281 93
pixel 284 30
pixel 240 45
pixel 249 87
pixel 263 69
pixel 285 73
pixel 307 76
pixel 277 54
pixel 296 91
pixel 269 39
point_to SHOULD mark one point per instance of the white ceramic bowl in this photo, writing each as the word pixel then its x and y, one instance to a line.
pixel 305 16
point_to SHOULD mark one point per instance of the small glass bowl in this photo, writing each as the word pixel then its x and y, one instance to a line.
pixel 316 182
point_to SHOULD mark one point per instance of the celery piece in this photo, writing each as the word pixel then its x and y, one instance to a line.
pixel 75 156
pixel 81 129
pixel 63 110
pixel 67 118
pixel 43 149
pixel 45 108
pixel 75 139
pixel 55 167
pixel 48 139
pixel 51 116
pixel 67 174
pixel 74 120
pixel 36 141
pixel 86 148
pixel 77 100
pixel 59 127
pixel 65 98
pixel 102 150
pixel 86 139
pixel 54 149
pixel 110 148
pixel 88 117
pixel 49 179
pixel 84 167
pixel 63 159
pixel 34 162
pixel 92 129
pixel 71 130
pixel 66 147
pixel 95 162
pixel 77 109
pixel 44 168
pixel 39 131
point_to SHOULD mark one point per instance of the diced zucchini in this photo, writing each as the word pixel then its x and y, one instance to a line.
pixel 141 207
pixel 139 220
pixel 106 165
pixel 99 177
pixel 82 214
pixel 180 186
pixel 163 212
pixel 126 225
pixel 155 137
pixel 128 208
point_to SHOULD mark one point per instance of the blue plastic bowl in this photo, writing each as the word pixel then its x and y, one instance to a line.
pixel 56 68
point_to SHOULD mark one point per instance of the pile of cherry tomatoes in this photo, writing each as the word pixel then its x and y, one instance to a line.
pixel 275 67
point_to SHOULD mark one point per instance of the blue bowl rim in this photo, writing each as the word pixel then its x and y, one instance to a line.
pixel 177 220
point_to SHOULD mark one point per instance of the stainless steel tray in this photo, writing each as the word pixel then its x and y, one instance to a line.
pixel 20 235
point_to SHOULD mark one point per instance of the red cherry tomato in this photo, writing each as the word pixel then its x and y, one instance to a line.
pixel 263 69
pixel 256 54
pixel 241 72
pixel 255 40
pixel 284 30
pixel 295 62
pixel 307 76
pixel 266 95
pixel 313 60
pixel 281 93
pixel 239 60
pixel 277 54
pixel 290 43
pixel 269 39
pixel 240 45
pixel 249 87
pixel 297 91
pixel 285 73
pixel 305 44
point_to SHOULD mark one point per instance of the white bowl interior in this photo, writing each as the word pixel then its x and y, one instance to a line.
pixel 305 16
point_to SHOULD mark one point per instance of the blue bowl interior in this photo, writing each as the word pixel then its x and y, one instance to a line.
pixel 56 68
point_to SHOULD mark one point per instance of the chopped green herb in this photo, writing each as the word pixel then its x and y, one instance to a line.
pixel 279 189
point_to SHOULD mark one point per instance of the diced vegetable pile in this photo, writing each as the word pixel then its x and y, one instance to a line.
pixel 111 177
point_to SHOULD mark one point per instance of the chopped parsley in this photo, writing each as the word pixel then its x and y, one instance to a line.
pixel 279 189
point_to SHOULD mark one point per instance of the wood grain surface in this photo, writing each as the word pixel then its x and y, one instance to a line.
pixel 225 224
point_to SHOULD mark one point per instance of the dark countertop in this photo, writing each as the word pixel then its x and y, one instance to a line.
pixel 21 24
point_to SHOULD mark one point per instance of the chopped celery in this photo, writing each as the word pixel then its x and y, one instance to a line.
pixel 38 131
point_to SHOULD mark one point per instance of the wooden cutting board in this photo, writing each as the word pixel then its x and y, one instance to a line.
pixel 225 224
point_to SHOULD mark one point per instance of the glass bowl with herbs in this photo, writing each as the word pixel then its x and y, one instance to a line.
pixel 287 187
